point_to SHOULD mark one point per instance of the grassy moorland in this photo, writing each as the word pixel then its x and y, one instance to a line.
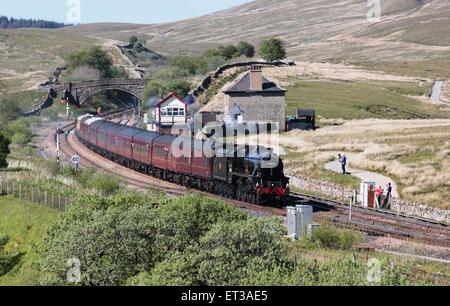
pixel 415 153
pixel 360 100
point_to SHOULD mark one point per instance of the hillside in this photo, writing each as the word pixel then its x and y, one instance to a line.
pixel 413 37
pixel 315 30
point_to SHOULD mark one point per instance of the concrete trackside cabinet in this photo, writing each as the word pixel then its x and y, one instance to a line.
pixel 299 219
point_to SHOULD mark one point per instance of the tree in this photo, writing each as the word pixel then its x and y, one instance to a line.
pixel 96 58
pixel 4 151
pixel 272 49
pixel 9 23
pixel 9 111
pixel 119 237
pixel 19 132
pixel 193 64
pixel 228 52
pixel 133 40
pixel 161 88
pixel 246 49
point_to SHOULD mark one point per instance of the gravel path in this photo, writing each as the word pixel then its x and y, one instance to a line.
pixel 365 176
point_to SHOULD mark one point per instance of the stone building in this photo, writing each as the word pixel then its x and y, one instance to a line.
pixel 258 98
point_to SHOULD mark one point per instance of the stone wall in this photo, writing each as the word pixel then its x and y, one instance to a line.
pixel 207 81
pixel 344 194
pixel 322 188
pixel 420 210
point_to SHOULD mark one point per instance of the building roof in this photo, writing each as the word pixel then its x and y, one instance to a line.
pixel 171 95
pixel 243 86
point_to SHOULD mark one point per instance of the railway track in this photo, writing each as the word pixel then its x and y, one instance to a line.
pixel 374 222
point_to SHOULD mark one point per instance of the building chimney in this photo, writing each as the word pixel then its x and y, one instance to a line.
pixel 256 78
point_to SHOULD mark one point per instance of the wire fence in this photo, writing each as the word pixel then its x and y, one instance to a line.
pixel 34 195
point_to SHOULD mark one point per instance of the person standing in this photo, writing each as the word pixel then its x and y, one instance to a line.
pixel 388 195
pixel 379 196
pixel 344 164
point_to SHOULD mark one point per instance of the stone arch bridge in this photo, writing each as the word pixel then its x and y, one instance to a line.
pixel 79 92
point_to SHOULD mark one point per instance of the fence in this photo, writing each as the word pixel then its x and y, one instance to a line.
pixel 34 195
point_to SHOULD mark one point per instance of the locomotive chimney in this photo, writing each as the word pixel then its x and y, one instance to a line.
pixel 256 80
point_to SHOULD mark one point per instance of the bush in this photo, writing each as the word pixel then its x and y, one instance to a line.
pixel 9 111
pixel 4 151
pixel 228 52
pixel 104 182
pixel 247 49
pixel 19 131
pixel 330 237
pixel 95 58
pixel 194 64
pixel 133 40
pixel 123 236
pixel 161 88
pixel 171 73
pixel 7 261
pixel 272 49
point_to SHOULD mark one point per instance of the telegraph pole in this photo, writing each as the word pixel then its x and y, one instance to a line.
pixel 58 152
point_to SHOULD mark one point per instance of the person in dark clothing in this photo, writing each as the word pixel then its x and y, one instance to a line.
pixel 387 203
pixel 344 164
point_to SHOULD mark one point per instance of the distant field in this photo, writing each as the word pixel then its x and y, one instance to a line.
pixel 359 100
pixel 28 56
pixel 433 69
pixel 24 224
pixel 25 50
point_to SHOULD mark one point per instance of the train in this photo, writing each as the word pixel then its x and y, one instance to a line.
pixel 252 175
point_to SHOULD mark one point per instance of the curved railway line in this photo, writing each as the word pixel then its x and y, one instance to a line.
pixel 373 222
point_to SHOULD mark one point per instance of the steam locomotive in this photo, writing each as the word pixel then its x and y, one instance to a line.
pixel 254 175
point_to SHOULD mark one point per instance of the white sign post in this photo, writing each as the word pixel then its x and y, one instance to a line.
pixel 76 161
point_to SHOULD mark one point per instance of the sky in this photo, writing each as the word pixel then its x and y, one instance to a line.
pixel 131 11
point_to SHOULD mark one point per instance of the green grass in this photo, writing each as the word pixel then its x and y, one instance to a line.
pixel 361 100
pixel 301 163
pixel 433 68
pixel 26 100
pixel 24 223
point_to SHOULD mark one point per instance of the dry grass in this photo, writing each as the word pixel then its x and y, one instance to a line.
pixel 415 153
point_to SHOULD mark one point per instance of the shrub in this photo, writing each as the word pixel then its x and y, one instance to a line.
pixel 4 151
pixel 9 111
pixel 7 261
pixel 19 131
pixel 161 88
pixel 104 182
pixel 95 58
pixel 171 73
pixel 133 40
pixel 193 64
pixel 228 52
pixel 245 48
pixel 272 49
pixel 330 237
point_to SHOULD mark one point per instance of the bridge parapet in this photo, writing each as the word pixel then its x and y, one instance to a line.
pixel 80 92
